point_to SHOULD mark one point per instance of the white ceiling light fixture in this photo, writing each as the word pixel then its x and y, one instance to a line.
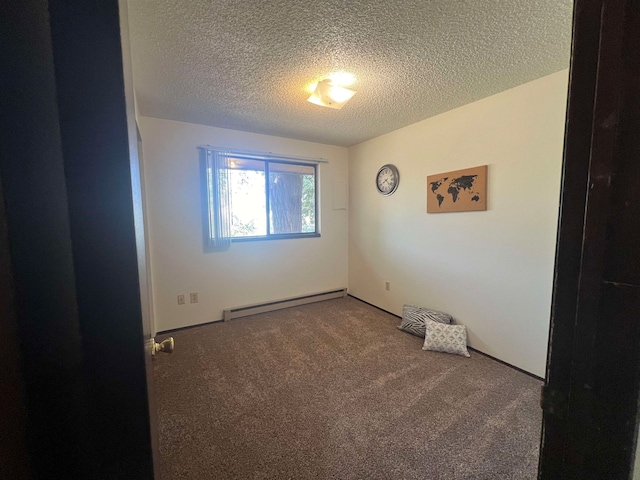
pixel 329 93
pixel 344 79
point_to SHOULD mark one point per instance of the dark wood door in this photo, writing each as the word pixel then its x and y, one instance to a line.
pixel 72 203
pixel 14 462
pixel 591 394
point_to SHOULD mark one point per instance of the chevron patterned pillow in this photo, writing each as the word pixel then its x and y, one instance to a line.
pixel 414 318
pixel 446 338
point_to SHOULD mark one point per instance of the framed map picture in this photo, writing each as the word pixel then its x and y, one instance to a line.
pixel 458 191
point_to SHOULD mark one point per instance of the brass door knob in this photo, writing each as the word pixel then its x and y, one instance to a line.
pixel 165 346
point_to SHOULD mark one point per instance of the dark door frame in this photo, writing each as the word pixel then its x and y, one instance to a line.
pixel 590 399
pixel 65 173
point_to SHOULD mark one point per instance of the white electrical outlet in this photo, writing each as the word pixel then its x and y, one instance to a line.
pixel 387 285
pixel 193 297
pixel 181 300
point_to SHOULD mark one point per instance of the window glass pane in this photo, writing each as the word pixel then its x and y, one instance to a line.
pixel 238 188
pixel 292 196
pixel 248 199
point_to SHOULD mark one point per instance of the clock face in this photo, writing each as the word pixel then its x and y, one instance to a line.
pixel 387 179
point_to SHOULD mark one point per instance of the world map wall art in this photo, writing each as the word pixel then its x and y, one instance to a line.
pixel 458 191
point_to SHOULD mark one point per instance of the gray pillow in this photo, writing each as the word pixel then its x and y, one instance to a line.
pixel 446 338
pixel 414 318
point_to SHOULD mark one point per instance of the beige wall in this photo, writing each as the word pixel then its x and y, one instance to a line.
pixel 636 463
pixel 248 272
pixel 492 270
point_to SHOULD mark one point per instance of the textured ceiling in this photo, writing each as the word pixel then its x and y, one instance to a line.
pixel 246 64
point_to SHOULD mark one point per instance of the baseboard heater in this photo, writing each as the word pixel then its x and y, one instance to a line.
pixel 237 312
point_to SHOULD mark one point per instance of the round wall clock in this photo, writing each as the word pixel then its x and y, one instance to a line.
pixel 387 179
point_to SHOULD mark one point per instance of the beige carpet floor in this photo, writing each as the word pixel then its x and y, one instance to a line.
pixel 334 390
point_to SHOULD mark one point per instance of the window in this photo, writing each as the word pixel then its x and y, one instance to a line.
pixel 252 196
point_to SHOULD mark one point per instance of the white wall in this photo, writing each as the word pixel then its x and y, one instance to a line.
pixel 249 272
pixel 636 463
pixel 491 270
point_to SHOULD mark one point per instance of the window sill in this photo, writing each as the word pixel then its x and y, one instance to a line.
pixel 284 236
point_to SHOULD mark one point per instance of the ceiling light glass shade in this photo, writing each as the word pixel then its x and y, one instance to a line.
pixel 327 94
pixel 343 78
